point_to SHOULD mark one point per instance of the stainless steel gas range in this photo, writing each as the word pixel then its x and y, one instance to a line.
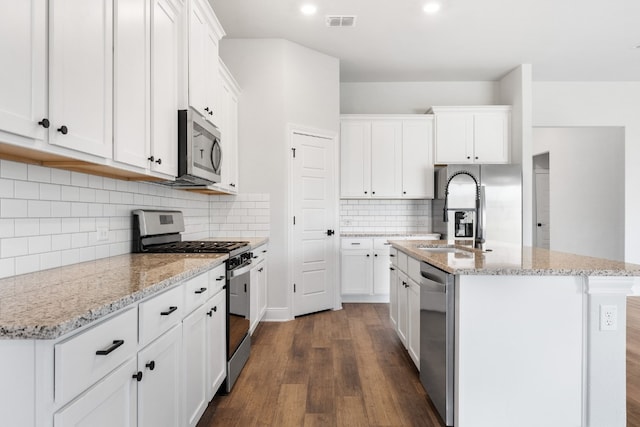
pixel 160 232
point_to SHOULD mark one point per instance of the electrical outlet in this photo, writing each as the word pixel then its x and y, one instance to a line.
pixel 102 234
pixel 608 317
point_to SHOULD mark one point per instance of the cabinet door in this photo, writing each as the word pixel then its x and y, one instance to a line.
pixel 491 137
pixel 355 159
pixel 197 60
pixel 111 402
pixel 262 290
pixel 165 37
pixel 80 75
pixel 195 365
pixel 381 271
pixel 386 159
pixel 211 76
pixel 216 343
pixel 403 307
pixel 131 81
pixel 357 270
pixel 253 299
pixel 453 138
pixel 227 119
pixel 23 74
pixel 393 296
pixel 413 322
pixel 417 161
pixel 159 391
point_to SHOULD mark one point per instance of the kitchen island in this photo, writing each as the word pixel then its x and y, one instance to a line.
pixel 531 346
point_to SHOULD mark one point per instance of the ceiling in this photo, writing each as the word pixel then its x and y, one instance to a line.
pixel 481 40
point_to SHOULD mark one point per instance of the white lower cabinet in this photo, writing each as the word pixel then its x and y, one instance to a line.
pixel 159 370
pixel 195 364
pixel 216 369
pixel 365 269
pixel 110 402
pixel 404 309
pixel 258 292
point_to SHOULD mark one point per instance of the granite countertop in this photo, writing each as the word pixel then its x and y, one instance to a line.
pixel 513 260
pixel 51 303
pixel 383 234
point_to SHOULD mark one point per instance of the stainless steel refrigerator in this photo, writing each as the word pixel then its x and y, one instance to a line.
pixel 500 201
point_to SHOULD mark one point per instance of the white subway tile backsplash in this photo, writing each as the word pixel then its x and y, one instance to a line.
pixel 39 209
pixel 50 260
pixel 37 173
pixel 14 247
pixel 7 228
pixel 60 242
pixel 79 179
pixel 13 170
pixel 50 226
pixel 60 209
pixel 39 244
pixel 6 188
pixel 27 264
pixel 59 176
pixel 27 190
pixel 27 227
pixel 70 194
pixel 13 208
pixel 50 192
pixel 389 216
pixel 7 267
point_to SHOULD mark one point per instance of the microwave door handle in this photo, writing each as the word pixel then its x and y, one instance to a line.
pixel 216 167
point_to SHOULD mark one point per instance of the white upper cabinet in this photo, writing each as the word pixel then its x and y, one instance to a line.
pixel 80 75
pixel 23 74
pixel 355 158
pixel 228 124
pixel 166 20
pixel 204 81
pixel 131 82
pixel 417 161
pixel 472 134
pixel 386 157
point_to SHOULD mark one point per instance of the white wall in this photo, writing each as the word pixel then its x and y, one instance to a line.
pixel 281 83
pixel 586 182
pixel 412 97
pixel 600 104
pixel 515 90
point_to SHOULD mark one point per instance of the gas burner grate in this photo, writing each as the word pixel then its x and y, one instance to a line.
pixel 196 247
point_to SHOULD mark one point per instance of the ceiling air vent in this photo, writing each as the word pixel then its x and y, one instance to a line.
pixel 341 20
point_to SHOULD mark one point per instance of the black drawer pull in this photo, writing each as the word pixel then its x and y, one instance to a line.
pixel 392 269
pixel 151 365
pixel 254 257
pixel 138 376
pixel 264 252
pixel 210 313
pixel 45 123
pixel 63 130
pixel 168 312
pixel 391 255
pixel 260 269
pixel 200 291
pixel 215 308
pixel 219 278
pixel 116 344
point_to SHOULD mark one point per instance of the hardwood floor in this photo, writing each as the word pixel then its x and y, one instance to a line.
pixel 335 368
pixel 348 368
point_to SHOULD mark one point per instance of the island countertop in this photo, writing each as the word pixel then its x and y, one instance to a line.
pixel 512 260
pixel 51 303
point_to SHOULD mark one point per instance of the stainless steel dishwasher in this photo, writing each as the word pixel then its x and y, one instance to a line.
pixel 437 338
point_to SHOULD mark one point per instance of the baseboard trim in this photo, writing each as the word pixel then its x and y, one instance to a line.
pixel 277 315
pixel 364 298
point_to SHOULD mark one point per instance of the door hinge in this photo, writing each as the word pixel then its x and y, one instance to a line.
pixel 294 220
pixel 294 287
pixel 294 152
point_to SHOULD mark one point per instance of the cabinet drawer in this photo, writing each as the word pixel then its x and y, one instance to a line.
pixel 382 243
pixel 160 313
pixel 259 254
pixel 402 261
pixel 197 291
pixel 413 269
pixel 393 255
pixel 356 243
pixel 217 279
pixel 77 362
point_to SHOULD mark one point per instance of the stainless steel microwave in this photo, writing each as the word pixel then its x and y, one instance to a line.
pixel 199 150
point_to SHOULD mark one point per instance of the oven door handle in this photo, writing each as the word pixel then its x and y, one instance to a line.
pixel 240 271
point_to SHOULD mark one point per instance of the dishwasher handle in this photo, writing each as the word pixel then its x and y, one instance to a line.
pixel 432 286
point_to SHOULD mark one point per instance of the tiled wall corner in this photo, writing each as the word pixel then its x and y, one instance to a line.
pixel 244 215
pixel 385 216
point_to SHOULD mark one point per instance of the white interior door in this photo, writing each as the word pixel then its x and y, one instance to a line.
pixel 543 235
pixel 314 208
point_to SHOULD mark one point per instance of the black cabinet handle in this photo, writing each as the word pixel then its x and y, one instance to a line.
pixel 210 313
pixel 215 308
pixel 151 159
pixel 232 185
pixel 224 287
pixel 63 130
pixel 168 312
pixel 264 252
pixel 375 255
pixel 245 287
pixel 368 255
pixel 200 291
pixel 260 269
pixel 138 376
pixel 392 269
pixel 365 192
pixel 219 278
pixel 404 192
pixel 373 192
pixel 159 161
pixel 331 232
pixel 468 157
pixel 45 123
pixel 392 255
pixel 206 108
pixel 151 365
pixel 539 224
pixel 116 344
pixel 254 257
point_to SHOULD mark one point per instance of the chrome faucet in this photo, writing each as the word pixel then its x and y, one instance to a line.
pixel 479 239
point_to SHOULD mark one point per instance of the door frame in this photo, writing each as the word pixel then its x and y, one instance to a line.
pixel 331 135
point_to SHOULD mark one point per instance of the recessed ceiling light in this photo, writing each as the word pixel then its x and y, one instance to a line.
pixel 308 9
pixel 431 7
